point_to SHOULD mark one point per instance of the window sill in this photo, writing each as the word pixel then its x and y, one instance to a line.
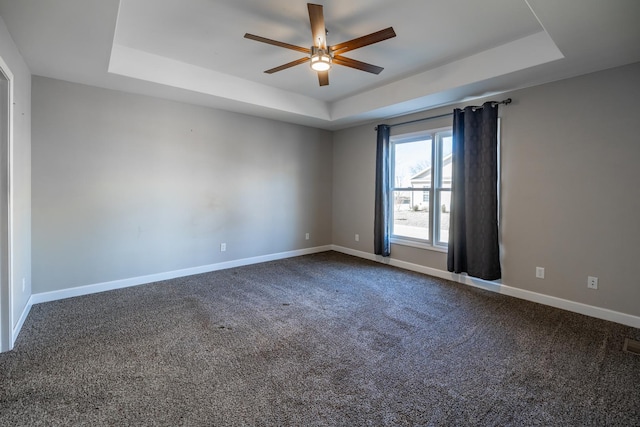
pixel 419 245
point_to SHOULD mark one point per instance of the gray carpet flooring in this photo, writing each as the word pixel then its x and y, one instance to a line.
pixel 324 339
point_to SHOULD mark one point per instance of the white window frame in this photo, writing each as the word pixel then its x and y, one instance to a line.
pixel 435 191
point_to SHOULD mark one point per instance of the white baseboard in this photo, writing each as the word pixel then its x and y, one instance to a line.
pixel 576 307
pixel 18 326
pixel 141 280
pixel 597 312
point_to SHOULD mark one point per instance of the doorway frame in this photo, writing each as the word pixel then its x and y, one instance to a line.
pixel 7 337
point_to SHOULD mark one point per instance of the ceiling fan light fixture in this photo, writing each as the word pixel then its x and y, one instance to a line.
pixel 322 56
pixel 320 59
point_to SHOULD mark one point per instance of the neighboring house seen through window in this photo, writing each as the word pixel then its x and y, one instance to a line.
pixel 420 193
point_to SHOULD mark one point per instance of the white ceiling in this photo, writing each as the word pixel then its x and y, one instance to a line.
pixel 445 51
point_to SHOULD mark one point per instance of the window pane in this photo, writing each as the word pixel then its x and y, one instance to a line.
pixel 411 214
pixel 446 161
pixel 412 164
pixel 445 211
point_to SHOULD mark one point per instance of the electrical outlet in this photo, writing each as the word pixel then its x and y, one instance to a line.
pixel 540 272
pixel 357 237
pixel 306 236
pixel 592 282
pixel 223 247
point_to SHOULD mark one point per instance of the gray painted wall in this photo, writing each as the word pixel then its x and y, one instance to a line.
pixel 21 209
pixel 570 189
pixel 126 185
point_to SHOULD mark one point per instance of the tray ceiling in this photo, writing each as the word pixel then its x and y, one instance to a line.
pixel 445 50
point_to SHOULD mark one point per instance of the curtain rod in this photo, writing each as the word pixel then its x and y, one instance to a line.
pixel 503 102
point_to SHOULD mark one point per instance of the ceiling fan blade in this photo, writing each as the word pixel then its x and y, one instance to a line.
pixel 372 38
pixel 323 78
pixel 358 65
pixel 277 43
pixel 288 65
pixel 318 30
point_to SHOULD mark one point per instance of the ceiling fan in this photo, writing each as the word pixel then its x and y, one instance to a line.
pixel 321 55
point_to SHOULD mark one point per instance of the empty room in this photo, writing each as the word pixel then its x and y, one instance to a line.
pixel 281 213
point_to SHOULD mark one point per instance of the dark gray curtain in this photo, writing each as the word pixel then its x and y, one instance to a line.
pixel 473 228
pixel 381 244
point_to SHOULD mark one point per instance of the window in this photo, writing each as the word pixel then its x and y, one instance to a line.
pixel 420 192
